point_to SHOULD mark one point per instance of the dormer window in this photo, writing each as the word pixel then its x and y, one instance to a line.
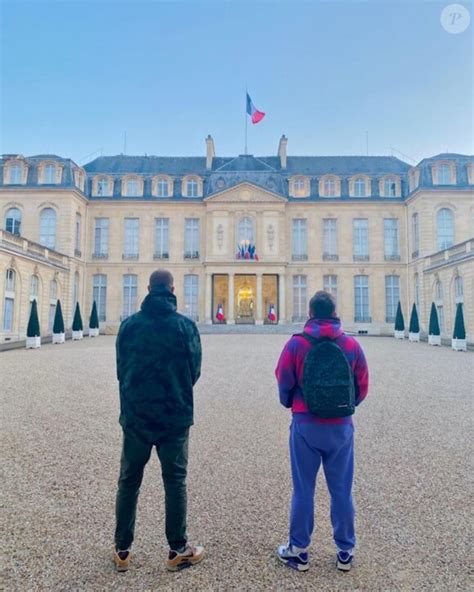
pixel 15 174
pixel 132 187
pixel 79 178
pixel 360 187
pixel 49 174
pixel 299 186
pixel 470 174
pixel 444 174
pixel 330 186
pixel 413 179
pixel 102 187
pixel 162 186
pixel 390 187
pixel 192 188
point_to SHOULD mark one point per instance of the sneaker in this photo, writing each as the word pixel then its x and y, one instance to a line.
pixel 178 560
pixel 344 560
pixel 122 559
pixel 292 557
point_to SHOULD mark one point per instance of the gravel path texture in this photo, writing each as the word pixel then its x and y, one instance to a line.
pixel 60 458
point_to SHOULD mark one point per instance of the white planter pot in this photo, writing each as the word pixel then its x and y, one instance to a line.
pixel 459 344
pixel 399 334
pixel 434 339
pixel 33 342
pixel 59 338
pixel 93 332
pixel 413 337
pixel 76 335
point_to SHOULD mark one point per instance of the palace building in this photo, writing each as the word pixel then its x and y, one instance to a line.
pixel 243 234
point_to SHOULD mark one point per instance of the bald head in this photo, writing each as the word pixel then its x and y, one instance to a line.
pixel 161 279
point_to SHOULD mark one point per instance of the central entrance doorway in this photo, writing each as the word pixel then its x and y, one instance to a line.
pixel 245 298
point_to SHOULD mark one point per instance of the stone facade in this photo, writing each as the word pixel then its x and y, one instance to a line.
pixel 371 229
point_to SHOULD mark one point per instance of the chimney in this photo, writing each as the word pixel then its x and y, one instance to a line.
pixel 210 151
pixel 282 151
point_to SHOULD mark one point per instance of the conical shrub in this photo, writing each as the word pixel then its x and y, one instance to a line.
pixel 94 318
pixel 433 328
pixel 77 321
pixel 414 323
pixel 58 325
pixel 33 329
pixel 399 320
pixel 459 328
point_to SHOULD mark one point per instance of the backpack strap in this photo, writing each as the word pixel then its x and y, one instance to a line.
pixel 311 339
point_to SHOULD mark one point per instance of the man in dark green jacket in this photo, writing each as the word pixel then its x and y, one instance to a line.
pixel 158 363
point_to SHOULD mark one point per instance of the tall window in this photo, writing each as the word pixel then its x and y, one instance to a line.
pixel 49 174
pixel 99 294
pixel 330 284
pixel 392 296
pixel 445 228
pixel 162 187
pixel 48 228
pixel 15 175
pixel 458 290
pixel 34 288
pixel 132 232
pixel 415 235
pixel 191 296
pixel 360 239
pixel 192 187
pixel 439 304
pixel 77 242
pixel 9 303
pixel 101 237
pixel 300 298
pixel 417 290
pixel 391 239
pixel 130 284
pixel 191 238
pixel 245 230
pixel 330 239
pixel 103 187
pixel 360 187
pixel 329 187
pixel 444 174
pixel 361 299
pixel 53 300
pixel 390 187
pixel 131 188
pixel 300 240
pixel 75 291
pixel 162 234
pixel 13 221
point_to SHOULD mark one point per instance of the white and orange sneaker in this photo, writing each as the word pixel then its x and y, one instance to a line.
pixel 122 559
pixel 178 560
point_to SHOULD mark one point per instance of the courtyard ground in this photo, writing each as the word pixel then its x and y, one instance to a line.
pixel 60 456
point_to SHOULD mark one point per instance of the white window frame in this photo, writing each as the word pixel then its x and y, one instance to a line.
pixel 130 293
pixel 458 290
pixel 101 237
pixel 361 299
pixel 299 239
pixel 330 284
pixel 392 297
pixel 53 302
pixel 102 186
pixel 192 187
pixel 390 187
pixel 330 249
pixel 360 187
pixel 245 230
pixel 48 227
pixel 99 294
pixel 329 187
pixel 444 228
pixel 415 234
pixel 391 239
pixel 162 187
pixel 131 187
pixel 192 238
pixel 15 174
pixel 13 220
pixel 360 239
pixel 34 288
pixel 191 296
pixel 444 174
pixel 439 303
pixel 300 298
pixel 162 234
pixel 131 237
pixel 50 174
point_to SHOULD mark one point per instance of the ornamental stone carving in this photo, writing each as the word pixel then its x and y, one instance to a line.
pixel 270 236
pixel 220 236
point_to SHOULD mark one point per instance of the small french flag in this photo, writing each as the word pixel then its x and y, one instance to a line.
pixel 254 113
pixel 272 314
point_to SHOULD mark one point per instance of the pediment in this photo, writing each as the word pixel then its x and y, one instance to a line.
pixel 245 193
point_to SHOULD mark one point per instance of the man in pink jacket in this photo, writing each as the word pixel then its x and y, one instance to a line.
pixel 314 440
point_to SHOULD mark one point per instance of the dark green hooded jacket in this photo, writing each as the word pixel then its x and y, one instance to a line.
pixel 158 363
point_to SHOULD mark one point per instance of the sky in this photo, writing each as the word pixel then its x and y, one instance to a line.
pixel 77 75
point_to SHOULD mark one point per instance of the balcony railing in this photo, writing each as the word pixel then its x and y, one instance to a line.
pixel 360 258
pixel 362 319
pixel 457 252
pixel 100 255
pixel 330 257
pixel 415 254
pixel 299 257
pixel 20 245
pixel 161 256
pixel 392 257
pixel 130 257
pixel 191 255
pixel 77 253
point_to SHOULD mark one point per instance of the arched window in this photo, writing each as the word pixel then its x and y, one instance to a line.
pixel 130 283
pixel 360 187
pixel 53 300
pixel 9 303
pixel 445 228
pixel 192 188
pixel 15 174
pixel 329 187
pixel 34 288
pixel 417 289
pixel 245 230
pixel 162 187
pixel 48 228
pixel 13 221
pixel 75 291
pixel 415 235
pixel 99 294
pixel 458 290
pixel 439 304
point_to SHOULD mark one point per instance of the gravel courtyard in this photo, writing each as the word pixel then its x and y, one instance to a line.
pixel 60 456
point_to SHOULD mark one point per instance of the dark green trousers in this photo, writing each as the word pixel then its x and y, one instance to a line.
pixel 172 449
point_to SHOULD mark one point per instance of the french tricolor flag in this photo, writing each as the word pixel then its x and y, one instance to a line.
pixel 254 113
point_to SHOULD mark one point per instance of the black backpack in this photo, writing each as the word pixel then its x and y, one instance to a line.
pixel 328 380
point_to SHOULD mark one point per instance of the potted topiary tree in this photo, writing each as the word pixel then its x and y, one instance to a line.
pixel 94 322
pixel 459 342
pixel 399 323
pixel 414 328
pixel 33 336
pixel 58 325
pixel 434 334
pixel 77 328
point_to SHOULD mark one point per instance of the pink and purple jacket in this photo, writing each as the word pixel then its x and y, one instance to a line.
pixel 289 371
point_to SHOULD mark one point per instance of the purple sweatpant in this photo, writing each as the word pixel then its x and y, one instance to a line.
pixel 333 445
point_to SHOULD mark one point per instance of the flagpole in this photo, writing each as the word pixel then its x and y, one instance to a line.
pixel 246 118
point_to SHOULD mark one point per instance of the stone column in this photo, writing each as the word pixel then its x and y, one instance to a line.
pixel 230 312
pixel 281 298
pixel 259 318
pixel 208 299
